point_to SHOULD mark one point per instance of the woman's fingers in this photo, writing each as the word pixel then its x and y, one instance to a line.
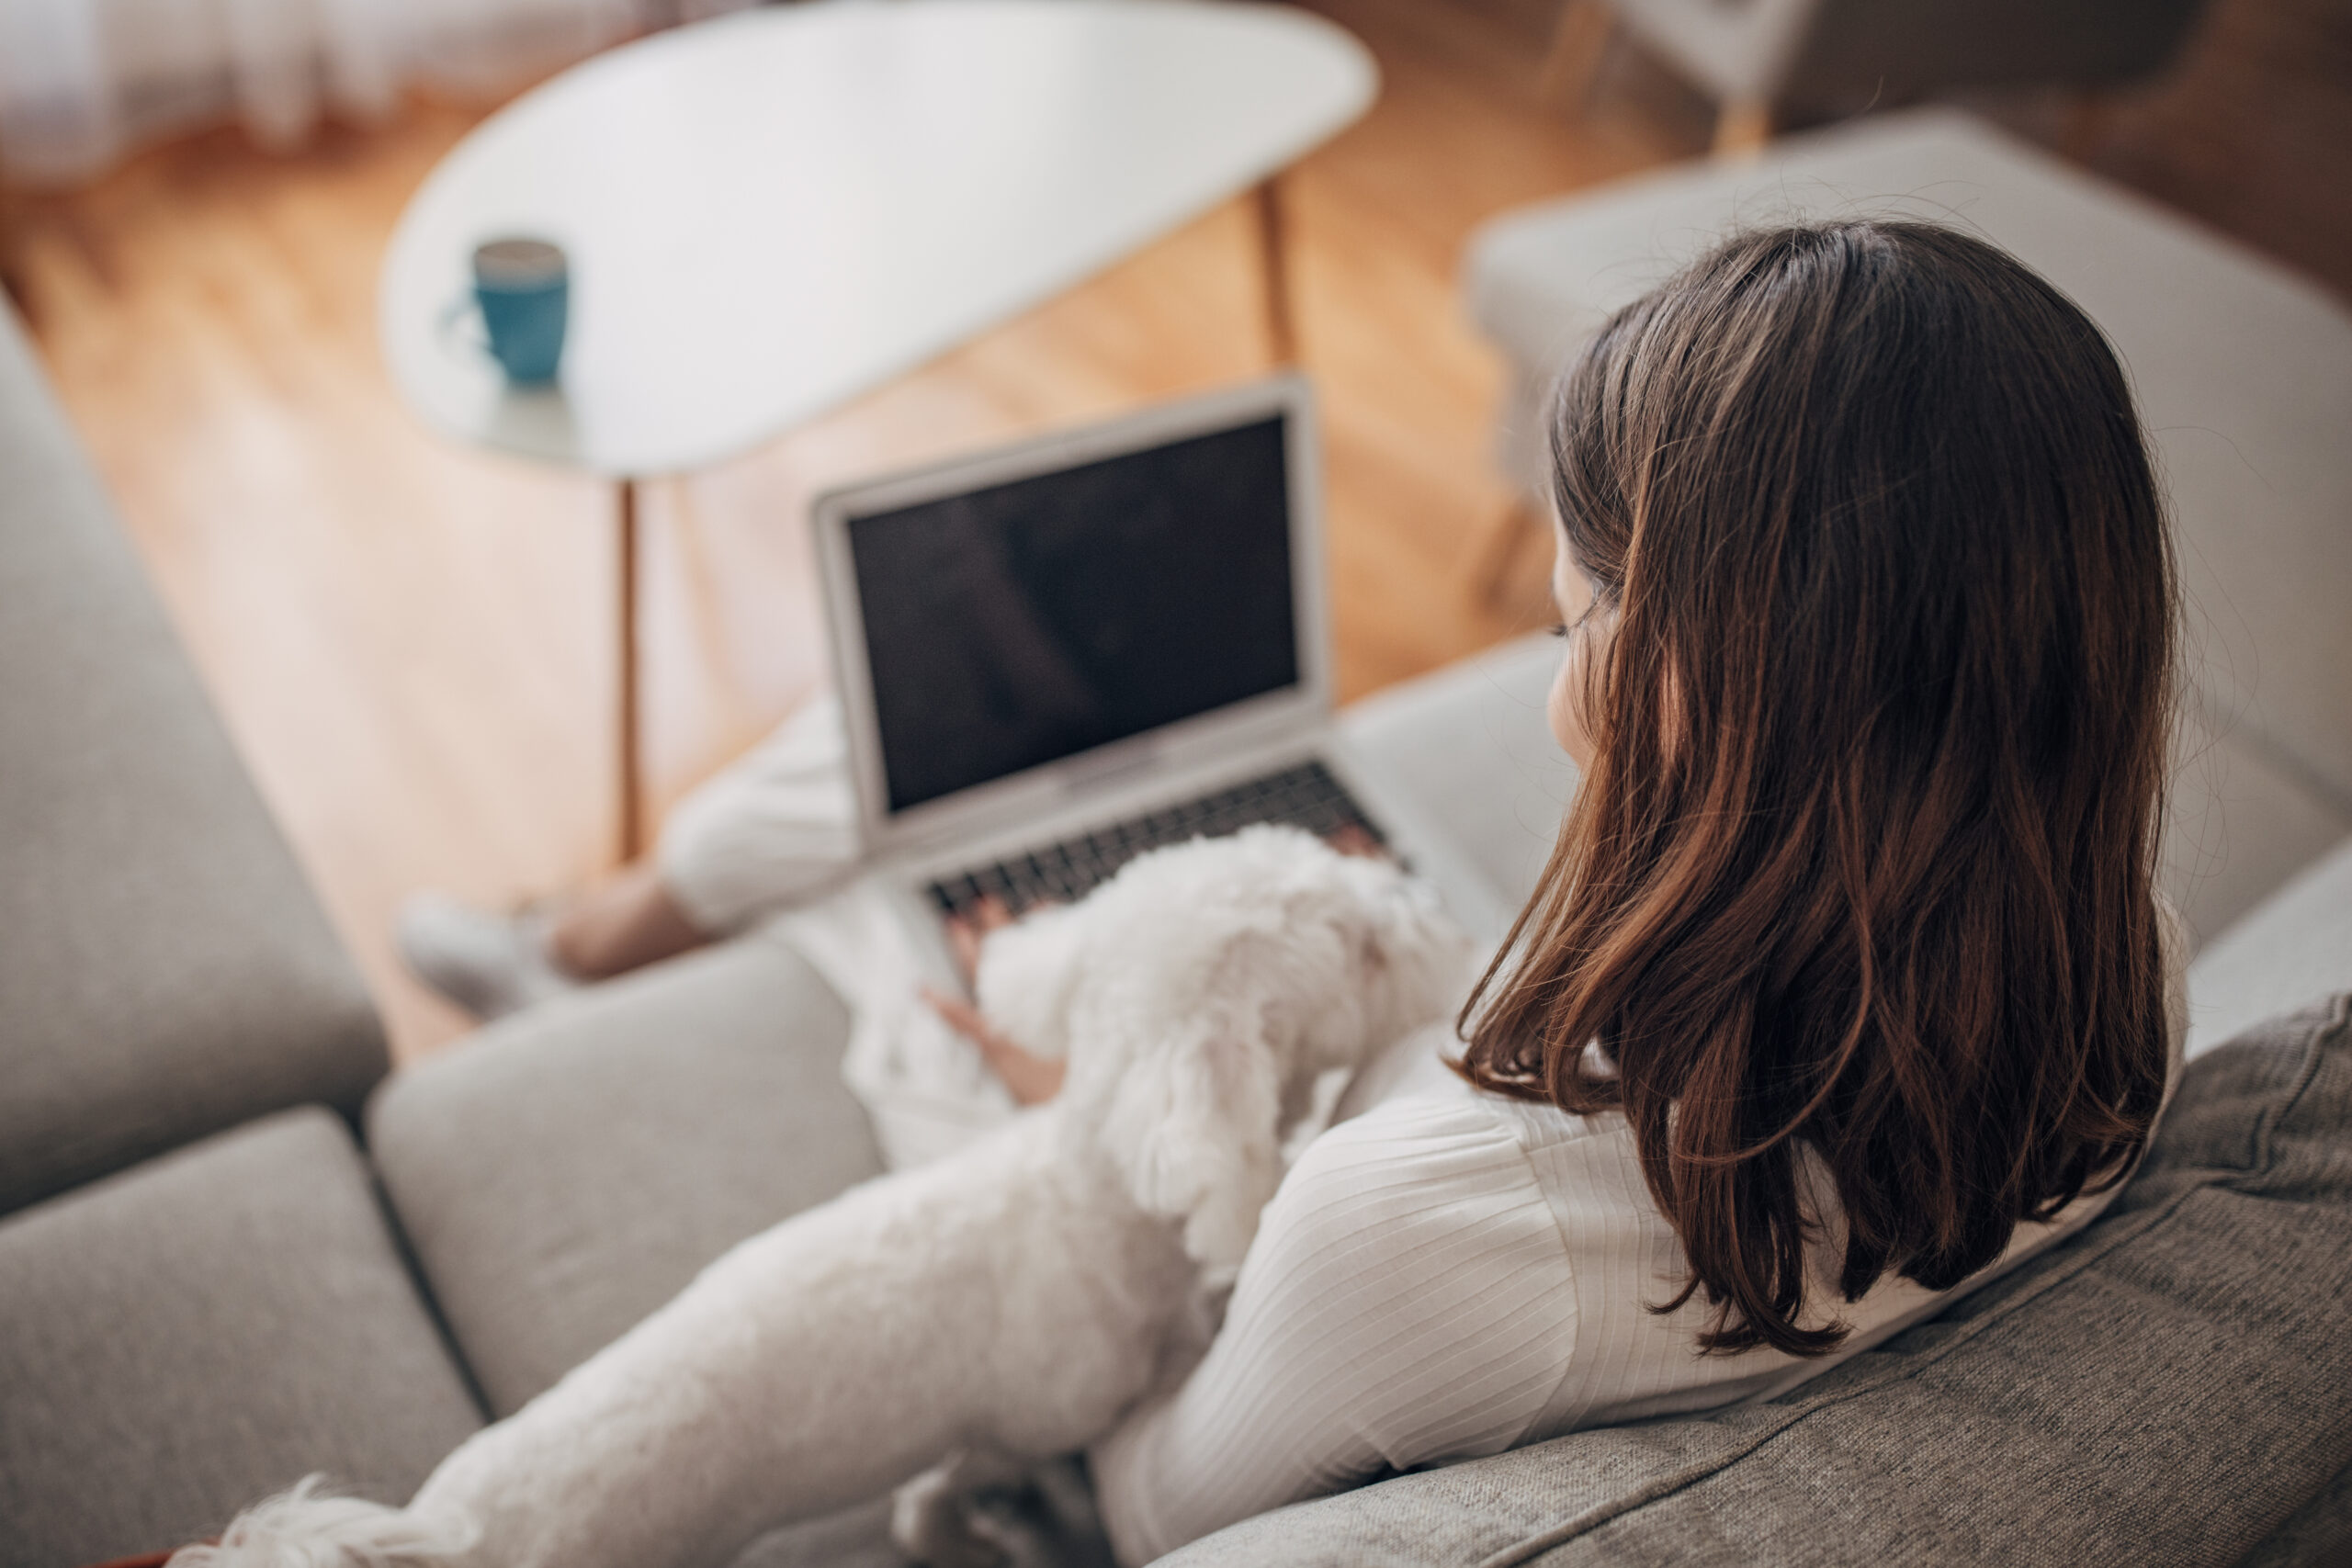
pixel 1032 1079
pixel 963 945
pixel 968 928
pixel 961 1016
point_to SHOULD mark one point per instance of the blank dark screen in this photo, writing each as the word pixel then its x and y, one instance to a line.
pixel 1010 626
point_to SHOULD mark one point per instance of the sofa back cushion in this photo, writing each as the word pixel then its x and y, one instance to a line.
pixel 165 970
pixel 2169 1387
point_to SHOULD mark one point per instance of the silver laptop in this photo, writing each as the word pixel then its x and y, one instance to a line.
pixel 1056 656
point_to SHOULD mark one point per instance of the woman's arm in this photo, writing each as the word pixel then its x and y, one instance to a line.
pixel 1407 1301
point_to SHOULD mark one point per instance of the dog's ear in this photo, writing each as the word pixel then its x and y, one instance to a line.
pixel 1027 972
pixel 1192 1126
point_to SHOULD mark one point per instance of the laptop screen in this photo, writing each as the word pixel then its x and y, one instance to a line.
pixel 1018 625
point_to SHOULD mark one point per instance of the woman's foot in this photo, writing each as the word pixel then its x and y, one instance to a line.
pixel 487 963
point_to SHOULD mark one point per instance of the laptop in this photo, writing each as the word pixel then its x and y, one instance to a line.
pixel 1056 656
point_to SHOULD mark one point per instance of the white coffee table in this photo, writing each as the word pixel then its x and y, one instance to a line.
pixel 772 212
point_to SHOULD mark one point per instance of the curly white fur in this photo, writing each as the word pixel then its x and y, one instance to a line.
pixel 1012 1300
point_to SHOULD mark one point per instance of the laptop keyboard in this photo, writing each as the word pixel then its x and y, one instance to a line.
pixel 1304 796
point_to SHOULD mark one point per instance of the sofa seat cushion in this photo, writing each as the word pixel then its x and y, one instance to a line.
pixel 570 1169
pixel 2167 1388
pixel 188 1336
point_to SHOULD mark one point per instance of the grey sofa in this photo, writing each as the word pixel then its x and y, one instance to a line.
pixel 199 1292
pixel 232 1251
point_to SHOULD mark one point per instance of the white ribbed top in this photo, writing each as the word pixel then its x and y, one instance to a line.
pixel 1450 1274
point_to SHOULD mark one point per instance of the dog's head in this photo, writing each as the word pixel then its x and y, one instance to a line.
pixel 1199 995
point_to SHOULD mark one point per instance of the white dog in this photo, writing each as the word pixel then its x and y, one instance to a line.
pixel 1013 1299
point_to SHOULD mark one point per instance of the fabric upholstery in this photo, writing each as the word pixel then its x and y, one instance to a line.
pixel 2246 397
pixel 2238 823
pixel 186 1336
pixel 570 1169
pixel 1048 1522
pixel 2318 1535
pixel 2297 946
pixel 2166 1389
pixel 1470 745
pixel 854 1538
pixel 165 971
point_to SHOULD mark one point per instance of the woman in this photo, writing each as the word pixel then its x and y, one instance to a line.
pixel 1846 988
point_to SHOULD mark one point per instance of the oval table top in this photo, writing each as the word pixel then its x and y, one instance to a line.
pixel 768 213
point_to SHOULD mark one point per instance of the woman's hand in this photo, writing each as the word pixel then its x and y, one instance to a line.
pixel 1349 839
pixel 1032 1079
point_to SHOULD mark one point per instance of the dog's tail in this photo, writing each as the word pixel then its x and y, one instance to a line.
pixel 308 1527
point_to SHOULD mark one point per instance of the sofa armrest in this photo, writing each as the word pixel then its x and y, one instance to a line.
pixel 165 971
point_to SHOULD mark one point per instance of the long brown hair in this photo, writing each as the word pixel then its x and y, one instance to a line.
pixel 1861 865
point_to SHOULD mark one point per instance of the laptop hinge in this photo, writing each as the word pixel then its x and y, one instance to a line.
pixel 1122 765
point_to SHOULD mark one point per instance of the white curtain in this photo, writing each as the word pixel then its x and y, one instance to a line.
pixel 82 82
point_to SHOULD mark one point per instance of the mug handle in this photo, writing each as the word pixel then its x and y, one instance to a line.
pixel 455 312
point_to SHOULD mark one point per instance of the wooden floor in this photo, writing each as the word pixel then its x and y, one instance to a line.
pixel 411 641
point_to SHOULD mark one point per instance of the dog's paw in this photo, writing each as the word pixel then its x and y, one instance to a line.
pixel 933 1522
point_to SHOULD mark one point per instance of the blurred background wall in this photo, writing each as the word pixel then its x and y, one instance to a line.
pixel 85 82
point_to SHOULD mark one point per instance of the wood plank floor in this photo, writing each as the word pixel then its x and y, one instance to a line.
pixel 411 641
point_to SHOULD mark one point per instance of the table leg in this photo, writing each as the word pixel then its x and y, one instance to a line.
pixel 630 793
pixel 1499 558
pixel 1582 36
pixel 12 232
pixel 1282 335
pixel 1742 126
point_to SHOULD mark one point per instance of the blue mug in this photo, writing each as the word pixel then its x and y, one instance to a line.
pixel 523 288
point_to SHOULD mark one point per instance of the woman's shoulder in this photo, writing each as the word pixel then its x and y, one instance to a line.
pixel 1412 1129
pixel 1413 1159
pixel 1424 1126
pixel 1422 1210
